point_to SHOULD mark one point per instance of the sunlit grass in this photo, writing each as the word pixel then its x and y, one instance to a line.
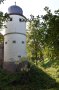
pixel 51 68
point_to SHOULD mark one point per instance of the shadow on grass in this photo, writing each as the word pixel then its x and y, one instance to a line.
pixel 35 79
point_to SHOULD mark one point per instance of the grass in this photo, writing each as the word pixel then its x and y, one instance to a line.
pixel 51 68
pixel 35 79
pixel 45 76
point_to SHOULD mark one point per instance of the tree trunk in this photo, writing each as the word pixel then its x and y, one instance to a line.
pixel 36 58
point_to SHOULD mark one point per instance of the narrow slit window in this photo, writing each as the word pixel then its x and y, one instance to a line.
pixel 10 19
pixel 20 19
pixel 22 42
pixel 19 56
pixel 14 41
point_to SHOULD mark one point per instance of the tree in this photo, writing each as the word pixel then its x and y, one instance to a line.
pixel 35 38
pixel 1 38
pixel 3 18
pixel 1 1
pixel 51 24
pixel 1 24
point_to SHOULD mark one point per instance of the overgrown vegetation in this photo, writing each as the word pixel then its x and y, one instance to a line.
pixel 35 79
pixel 43 36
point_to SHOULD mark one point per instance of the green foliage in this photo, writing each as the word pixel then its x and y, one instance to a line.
pixel 35 38
pixel 43 37
pixel 1 19
pixel 1 38
pixel 51 24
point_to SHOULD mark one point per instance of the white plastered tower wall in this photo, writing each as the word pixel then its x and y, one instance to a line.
pixel 14 40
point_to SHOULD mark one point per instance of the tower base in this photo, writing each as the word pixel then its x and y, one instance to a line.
pixel 10 66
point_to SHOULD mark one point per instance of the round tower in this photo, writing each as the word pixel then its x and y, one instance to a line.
pixel 14 38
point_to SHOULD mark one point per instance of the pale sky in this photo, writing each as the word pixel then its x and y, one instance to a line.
pixel 29 7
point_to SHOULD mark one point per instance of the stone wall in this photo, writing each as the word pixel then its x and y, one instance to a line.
pixel 1 54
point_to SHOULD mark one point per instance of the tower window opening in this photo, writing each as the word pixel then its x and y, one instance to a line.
pixel 5 42
pixel 19 56
pixel 14 41
pixel 21 20
pixel 22 42
pixel 24 20
pixel 10 19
